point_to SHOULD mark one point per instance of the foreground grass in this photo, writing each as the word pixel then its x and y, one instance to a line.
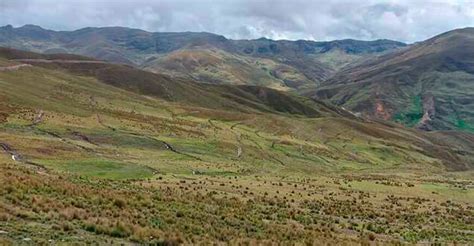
pixel 103 169
pixel 58 207
pixel 71 209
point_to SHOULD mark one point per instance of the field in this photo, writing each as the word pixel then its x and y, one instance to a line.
pixel 171 208
pixel 98 163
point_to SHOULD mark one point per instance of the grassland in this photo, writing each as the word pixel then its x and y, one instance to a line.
pixel 172 209
pixel 103 164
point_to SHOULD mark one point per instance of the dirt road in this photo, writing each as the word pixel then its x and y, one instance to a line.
pixel 59 61
pixel 14 67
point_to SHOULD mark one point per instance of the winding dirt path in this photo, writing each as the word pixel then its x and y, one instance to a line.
pixel 14 67
pixel 240 137
pixel 19 158
pixel 18 66
pixel 59 60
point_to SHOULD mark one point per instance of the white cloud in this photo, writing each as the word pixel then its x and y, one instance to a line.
pixel 404 20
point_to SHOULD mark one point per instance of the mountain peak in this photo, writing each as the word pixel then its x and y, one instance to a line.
pixel 32 27
pixel 7 27
pixel 459 33
pixel 469 30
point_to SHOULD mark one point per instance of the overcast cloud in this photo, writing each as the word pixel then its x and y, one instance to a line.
pixel 405 20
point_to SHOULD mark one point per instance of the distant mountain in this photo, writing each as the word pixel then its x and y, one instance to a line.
pixel 204 57
pixel 429 85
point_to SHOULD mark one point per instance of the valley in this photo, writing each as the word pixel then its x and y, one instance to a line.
pixel 111 154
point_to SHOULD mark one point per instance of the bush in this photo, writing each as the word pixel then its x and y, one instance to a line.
pixel 179 214
pixel 119 230
pixel 119 203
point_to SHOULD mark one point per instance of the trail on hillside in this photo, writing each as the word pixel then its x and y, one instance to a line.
pixel 19 158
pixel 60 61
pixel 14 67
pixel 165 144
pixel 239 138
pixel 39 119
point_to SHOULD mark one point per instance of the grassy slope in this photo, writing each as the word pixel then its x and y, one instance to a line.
pixel 94 129
pixel 217 66
pixel 220 67
pixel 81 99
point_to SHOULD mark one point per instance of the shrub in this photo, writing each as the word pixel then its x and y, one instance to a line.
pixel 119 203
pixel 119 230
pixel 179 214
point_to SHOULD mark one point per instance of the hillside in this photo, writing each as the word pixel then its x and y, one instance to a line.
pixel 61 79
pixel 204 57
pixel 249 99
pixel 219 67
pixel 94 152
pixel 429 85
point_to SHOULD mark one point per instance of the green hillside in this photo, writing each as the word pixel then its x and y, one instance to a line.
pixel 111 154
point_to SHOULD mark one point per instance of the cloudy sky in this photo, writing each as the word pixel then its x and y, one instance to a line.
pixel 403 20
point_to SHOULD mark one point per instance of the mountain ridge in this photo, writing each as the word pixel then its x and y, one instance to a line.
pixel 304 63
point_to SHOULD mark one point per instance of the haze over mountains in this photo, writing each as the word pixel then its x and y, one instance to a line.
pixel 427 85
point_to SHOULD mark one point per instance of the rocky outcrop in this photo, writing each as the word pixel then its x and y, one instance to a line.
pixel 428 113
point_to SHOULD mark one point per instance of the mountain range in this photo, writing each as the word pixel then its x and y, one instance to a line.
pixel 427 85
pixel 204 57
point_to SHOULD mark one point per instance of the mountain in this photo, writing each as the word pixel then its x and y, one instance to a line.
pixel 429 85
pixel 94 152
pixel 243 98
pixel 204 57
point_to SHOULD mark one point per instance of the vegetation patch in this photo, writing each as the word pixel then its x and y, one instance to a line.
pixel 413 114
pixel 99 168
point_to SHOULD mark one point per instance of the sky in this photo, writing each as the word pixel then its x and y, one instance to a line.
pixel 321 20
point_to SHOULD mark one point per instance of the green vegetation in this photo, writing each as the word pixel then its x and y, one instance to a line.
pixel 412 114
pixel 172 162
pixel 102 169
pixel 461 124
